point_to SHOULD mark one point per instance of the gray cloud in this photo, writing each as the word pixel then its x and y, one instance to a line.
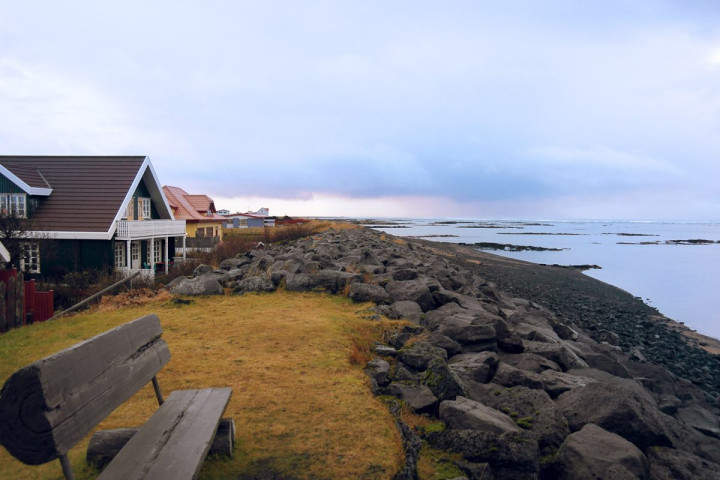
pixel 472 102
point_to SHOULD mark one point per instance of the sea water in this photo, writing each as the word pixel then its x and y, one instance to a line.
pixel 661 262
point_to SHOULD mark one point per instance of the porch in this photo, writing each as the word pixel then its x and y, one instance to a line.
pixel 147 246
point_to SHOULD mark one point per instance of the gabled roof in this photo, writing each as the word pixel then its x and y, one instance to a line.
pixel 191 207
pixel 85 195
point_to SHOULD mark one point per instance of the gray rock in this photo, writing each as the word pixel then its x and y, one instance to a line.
pixel 700 419
pixel 405 309
pixel 418 397
pixel 325 280
pixel 508 376
pixel 198 286
pixel 202 270
pixel 449 345
pixel 385 350
pixel 557 352
pixel 530 362
pixel 254 284
pixel 379 370
pixel 596 453
pixel 672 464
pixel 443 382
pixel 420 354
pixel 621 407
pixel 476 367
pixel 512 456
pixel 473 338
pixel 364 292
pixel 557 383
pixel 233 263
pixel 412 290
pixel 465 414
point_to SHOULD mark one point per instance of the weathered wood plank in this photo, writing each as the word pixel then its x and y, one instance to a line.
pixel 106 444
pixel 174 442
pixel 49 405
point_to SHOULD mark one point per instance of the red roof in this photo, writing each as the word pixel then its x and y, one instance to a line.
pixel 199 208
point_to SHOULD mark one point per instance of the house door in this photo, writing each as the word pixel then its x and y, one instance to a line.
pixel 135 252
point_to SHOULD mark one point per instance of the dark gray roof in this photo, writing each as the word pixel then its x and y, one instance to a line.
pixel 87 192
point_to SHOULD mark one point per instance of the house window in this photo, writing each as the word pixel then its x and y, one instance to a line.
pixel 31 257
pixel 13 203
pixel 135 252
pixel 145 207
pixel 130 211
pixel 120 255
pixel 157 253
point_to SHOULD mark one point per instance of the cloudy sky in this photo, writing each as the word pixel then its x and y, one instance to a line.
pixel 474 109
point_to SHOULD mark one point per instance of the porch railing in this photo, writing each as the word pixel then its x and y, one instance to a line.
pixel 133 229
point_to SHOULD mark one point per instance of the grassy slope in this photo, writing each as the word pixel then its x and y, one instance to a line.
pixel 301 406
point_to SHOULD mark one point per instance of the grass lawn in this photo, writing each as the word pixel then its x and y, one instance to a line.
pixel 301 402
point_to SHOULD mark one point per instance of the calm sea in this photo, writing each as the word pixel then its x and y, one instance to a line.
pixel 670 265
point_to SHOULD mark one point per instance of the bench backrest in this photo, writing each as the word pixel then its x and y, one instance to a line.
pixel 51 404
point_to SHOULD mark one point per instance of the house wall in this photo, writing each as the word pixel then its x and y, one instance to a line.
pixel 191 227
pixel 63 256
pixel 142 191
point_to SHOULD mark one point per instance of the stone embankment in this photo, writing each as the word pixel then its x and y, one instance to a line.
pixel 523 393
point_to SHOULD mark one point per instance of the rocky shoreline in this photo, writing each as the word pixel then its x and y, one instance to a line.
pixel 535 371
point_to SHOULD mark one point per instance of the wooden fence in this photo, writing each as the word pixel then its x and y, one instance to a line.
pixel 20 304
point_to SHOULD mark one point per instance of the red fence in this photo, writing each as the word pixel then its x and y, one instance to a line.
pixel 20 303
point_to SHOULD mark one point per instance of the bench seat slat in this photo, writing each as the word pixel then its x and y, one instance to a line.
pixel 175 440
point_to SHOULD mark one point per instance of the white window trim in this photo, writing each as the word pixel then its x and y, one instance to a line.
pixel 15 203
pixel 119 254
pixel 145 208
pixel 30 249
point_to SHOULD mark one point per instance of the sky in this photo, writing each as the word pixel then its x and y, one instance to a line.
pixel 553 109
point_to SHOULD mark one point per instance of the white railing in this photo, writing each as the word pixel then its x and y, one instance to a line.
pixel 128 230
pixel 145 273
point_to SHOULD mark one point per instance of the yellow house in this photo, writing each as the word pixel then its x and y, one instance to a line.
pixel 199 213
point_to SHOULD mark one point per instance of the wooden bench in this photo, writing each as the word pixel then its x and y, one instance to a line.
pixel 47 407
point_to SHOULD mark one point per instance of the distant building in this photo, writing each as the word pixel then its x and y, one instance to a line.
pixel 223 212
pixel 198 211
pixel 250 219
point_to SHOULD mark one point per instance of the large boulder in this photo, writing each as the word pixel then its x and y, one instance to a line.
pixel 418 397
pixel 508 376
pixel 532 411
pixel 203 285
pixel 365 292
pixel 326 280
pixel 419 354
pixel 465 414
pixel 477 367
pixel 559 353
pixel 473 338
pixel 594 452
pixel 405 309
pixel 443 382
pixel 621 407
pixel 671 464
pixel 254 284
pixel 413 290
pixel 511 456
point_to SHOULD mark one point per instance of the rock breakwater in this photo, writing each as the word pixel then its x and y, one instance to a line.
pixel 531 378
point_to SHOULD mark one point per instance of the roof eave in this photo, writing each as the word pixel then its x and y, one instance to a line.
pixel 24 186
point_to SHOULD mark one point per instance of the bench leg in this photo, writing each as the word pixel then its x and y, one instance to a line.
pixel 158 393
pixel 66 468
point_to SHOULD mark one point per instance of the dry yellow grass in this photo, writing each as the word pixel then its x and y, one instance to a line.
pixel 301 407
